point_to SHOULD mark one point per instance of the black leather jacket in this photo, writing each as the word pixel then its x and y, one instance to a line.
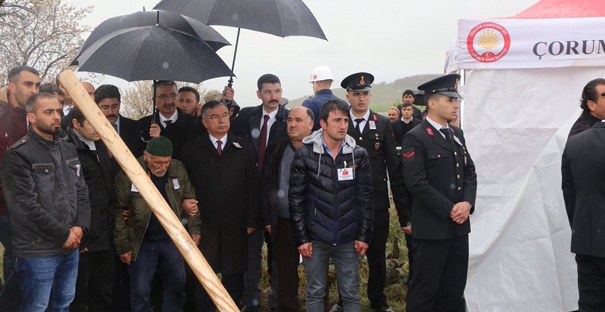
pixel 45 193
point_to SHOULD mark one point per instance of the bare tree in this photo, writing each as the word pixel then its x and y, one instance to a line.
pixel 43 34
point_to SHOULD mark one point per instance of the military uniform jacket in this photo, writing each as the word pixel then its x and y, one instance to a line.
pixel 379 141
pixel 438 175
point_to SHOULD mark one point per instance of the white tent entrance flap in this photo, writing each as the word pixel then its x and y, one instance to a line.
pixel 518 109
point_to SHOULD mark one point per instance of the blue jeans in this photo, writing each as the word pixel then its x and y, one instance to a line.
pixel 48 282
pixel 346 263
pixel 161 256
pixel 6 238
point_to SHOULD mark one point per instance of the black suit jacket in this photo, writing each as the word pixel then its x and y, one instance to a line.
pixel 184 129
pixel 247 125
pixel 382 152
pixel 583 172
pixel 438 175
pixel 227 188
pixel 400 128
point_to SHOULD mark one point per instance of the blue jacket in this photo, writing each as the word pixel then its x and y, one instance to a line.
pixel 317 102
pixel 324 208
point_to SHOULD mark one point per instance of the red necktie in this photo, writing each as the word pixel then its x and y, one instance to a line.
pixel 219 150
pixel 263 144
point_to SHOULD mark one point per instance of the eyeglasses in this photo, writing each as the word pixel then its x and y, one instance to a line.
pixel 165 97
pixel 217 117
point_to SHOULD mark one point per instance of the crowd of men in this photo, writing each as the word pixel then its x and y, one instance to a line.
pixel 311 182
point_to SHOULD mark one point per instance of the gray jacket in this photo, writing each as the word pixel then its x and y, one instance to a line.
pixel 45 193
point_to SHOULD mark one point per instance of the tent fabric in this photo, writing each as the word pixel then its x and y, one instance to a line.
pixel 516 123
pixel 564 9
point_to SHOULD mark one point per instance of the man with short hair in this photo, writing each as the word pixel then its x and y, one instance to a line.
pixel 90 89
pixel 142 242
pixel 321 80
pixel 440 174
pixel 593 105
pixel 49 209
pixel 168 120
pixel 582 174
pixel 96 266
pixel 408 96
pixel 223 172
pixel 373 132
pixel 261 126
pixel 23 82
pixel 331 207
pixel 404 124
pixel 393 113
pixel 275 206
pixel 189 99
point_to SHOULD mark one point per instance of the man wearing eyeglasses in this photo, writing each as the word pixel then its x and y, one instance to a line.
pixel 593 104
pixel 168 120
pixel 222 167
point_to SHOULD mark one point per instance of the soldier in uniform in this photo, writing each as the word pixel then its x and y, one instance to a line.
pixel 440 174
pixel 374 133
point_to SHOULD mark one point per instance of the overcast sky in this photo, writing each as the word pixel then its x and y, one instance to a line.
pixel 388 38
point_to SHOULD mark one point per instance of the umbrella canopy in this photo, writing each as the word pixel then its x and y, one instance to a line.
pixel 153 53
pixel 281 18
pixel 277 17
pixel 170 20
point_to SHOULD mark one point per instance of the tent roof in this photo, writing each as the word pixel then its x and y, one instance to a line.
pixel 564 9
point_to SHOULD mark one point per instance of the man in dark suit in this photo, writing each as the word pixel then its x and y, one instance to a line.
pixel 168 120
pixel 592 112
pixel 261 126
pixel 373 132
pixel 108 99
pixel 440 174
pixel 405 123
pixel 223 172
pixel 582 172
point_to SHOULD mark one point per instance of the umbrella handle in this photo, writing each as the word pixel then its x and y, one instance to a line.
pixel 230 82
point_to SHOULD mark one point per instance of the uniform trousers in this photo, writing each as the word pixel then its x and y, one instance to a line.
pixel 440 271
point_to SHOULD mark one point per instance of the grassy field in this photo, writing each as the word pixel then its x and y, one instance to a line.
pixel 397 270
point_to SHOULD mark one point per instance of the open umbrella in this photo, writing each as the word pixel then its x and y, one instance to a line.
pixel 153 53
pixel 277 17
pixel 166 19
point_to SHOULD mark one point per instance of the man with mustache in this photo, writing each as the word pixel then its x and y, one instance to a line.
pixel 223 172
pixel 49 208
pixel 261 126
pixel 23 82
pixel 141 241
pixel 169 121
pixel 275 207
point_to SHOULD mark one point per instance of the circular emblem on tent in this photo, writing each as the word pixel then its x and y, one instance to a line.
pixel 488 42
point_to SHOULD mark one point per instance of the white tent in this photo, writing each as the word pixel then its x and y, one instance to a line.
pixel 523 80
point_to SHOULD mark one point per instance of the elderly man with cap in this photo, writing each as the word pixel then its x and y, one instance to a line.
pixel 141 241
pixel 321 79
pixel 440 174
pixel 374 133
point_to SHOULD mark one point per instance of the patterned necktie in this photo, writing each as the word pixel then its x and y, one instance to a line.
pixel 358 121
pixel 219 150
pixel 262 146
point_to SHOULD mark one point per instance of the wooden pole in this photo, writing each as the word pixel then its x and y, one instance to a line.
pixel 152 196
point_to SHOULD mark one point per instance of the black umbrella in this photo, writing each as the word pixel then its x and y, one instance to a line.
pixel 166 19
pixel 153 53
pixel 277 17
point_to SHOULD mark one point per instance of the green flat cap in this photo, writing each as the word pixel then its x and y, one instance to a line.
pixel 159 146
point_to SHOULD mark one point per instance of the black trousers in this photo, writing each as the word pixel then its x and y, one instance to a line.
pixel 95 281
pixel 408 243
pixel 591 283
pixel 440 271
pixel 234 285
pixel 377 260
pixel 287 258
